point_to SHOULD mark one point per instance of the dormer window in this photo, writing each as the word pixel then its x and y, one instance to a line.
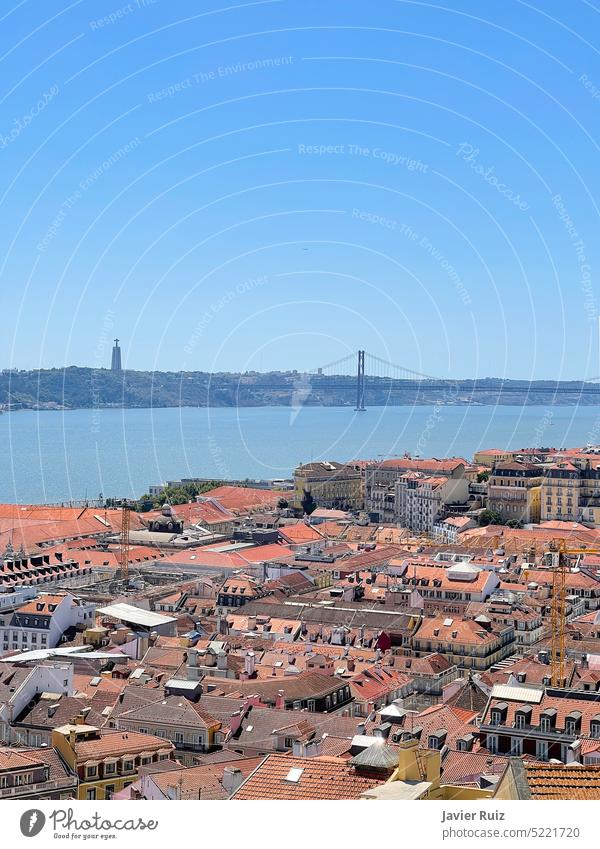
pixel 573 722
pixel 523 717
pixel 437 740
pixel 548 720
pixel 498 713
pixel 465 744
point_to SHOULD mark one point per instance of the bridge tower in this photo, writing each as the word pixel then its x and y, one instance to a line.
pixel 360 383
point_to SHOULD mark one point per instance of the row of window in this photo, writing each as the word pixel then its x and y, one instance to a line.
pixel 548 723
pixel 24 641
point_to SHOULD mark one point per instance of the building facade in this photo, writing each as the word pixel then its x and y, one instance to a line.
pixel 515 491
pixel 334 485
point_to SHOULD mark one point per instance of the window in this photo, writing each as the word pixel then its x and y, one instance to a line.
pixel 110 768
pixel 91 771
pixel 127 766
pixel 109 790
pixel 541 749
pixel 492 743
pixel 90 793
pixel 516 746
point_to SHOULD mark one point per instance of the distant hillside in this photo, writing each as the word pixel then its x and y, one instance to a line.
pixel 71 388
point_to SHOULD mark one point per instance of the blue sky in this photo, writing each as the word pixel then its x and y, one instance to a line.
pixel 264 185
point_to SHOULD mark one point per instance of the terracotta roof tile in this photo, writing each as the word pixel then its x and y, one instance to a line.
pixel 287 777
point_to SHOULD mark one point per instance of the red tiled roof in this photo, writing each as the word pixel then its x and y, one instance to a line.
pixel 242 499
pixel 287 777
pixel 117 744
pixel 555 781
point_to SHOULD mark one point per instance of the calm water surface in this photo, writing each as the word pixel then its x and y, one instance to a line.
pixel 56 456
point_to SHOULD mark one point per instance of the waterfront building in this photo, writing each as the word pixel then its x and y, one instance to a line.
pixel 331 484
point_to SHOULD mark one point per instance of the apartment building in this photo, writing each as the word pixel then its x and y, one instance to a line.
pixel 380 481
pixel 561 492
pixel 515 491
pixel 334 485
pixel 546 723
pixel 106 762
pixel 42 621
pixel 35 774
pixel 571 491
pixel 467 643
pixel 434 586
pixel 580 583
pixel 238 590
pixel 183 723
pixel 421 500
pixel 20 686
pixel 449 529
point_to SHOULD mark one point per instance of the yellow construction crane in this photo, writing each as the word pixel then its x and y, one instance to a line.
pixel 560 552
pixel 124 549
pixel 558 612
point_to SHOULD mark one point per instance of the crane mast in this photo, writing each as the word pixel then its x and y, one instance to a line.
pixel 124 548
pixel 558 615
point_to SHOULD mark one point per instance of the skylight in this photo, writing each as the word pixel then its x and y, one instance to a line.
pixel 294 775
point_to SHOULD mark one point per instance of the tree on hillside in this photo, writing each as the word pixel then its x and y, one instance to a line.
pixel 283 504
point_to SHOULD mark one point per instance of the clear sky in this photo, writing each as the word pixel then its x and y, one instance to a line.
pixel 261 185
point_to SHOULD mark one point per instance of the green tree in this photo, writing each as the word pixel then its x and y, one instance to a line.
pixel 490 517
pixel 176 495
pixel 482 477
pixel 309 505
pixel 283 503
pixel 514 523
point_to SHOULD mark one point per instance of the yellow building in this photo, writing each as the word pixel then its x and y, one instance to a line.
pixel 490 456
pixel 515 491
pixel 418 776
pixel 106 762
pixel 561 492
pixel 332 485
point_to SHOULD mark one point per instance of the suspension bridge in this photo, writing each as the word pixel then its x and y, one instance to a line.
pixel 369 379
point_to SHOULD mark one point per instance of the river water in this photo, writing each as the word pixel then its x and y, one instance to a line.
pixel 62 456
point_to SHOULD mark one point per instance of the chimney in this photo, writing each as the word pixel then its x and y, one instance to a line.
pixel 232 778
pixel 280 702
pixel 250 663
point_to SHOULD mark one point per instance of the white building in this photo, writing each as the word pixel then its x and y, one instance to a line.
pixel 421 499
pixel 41 622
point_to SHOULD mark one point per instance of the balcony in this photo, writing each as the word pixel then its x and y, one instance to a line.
pixel 531 731
pixel 41 787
